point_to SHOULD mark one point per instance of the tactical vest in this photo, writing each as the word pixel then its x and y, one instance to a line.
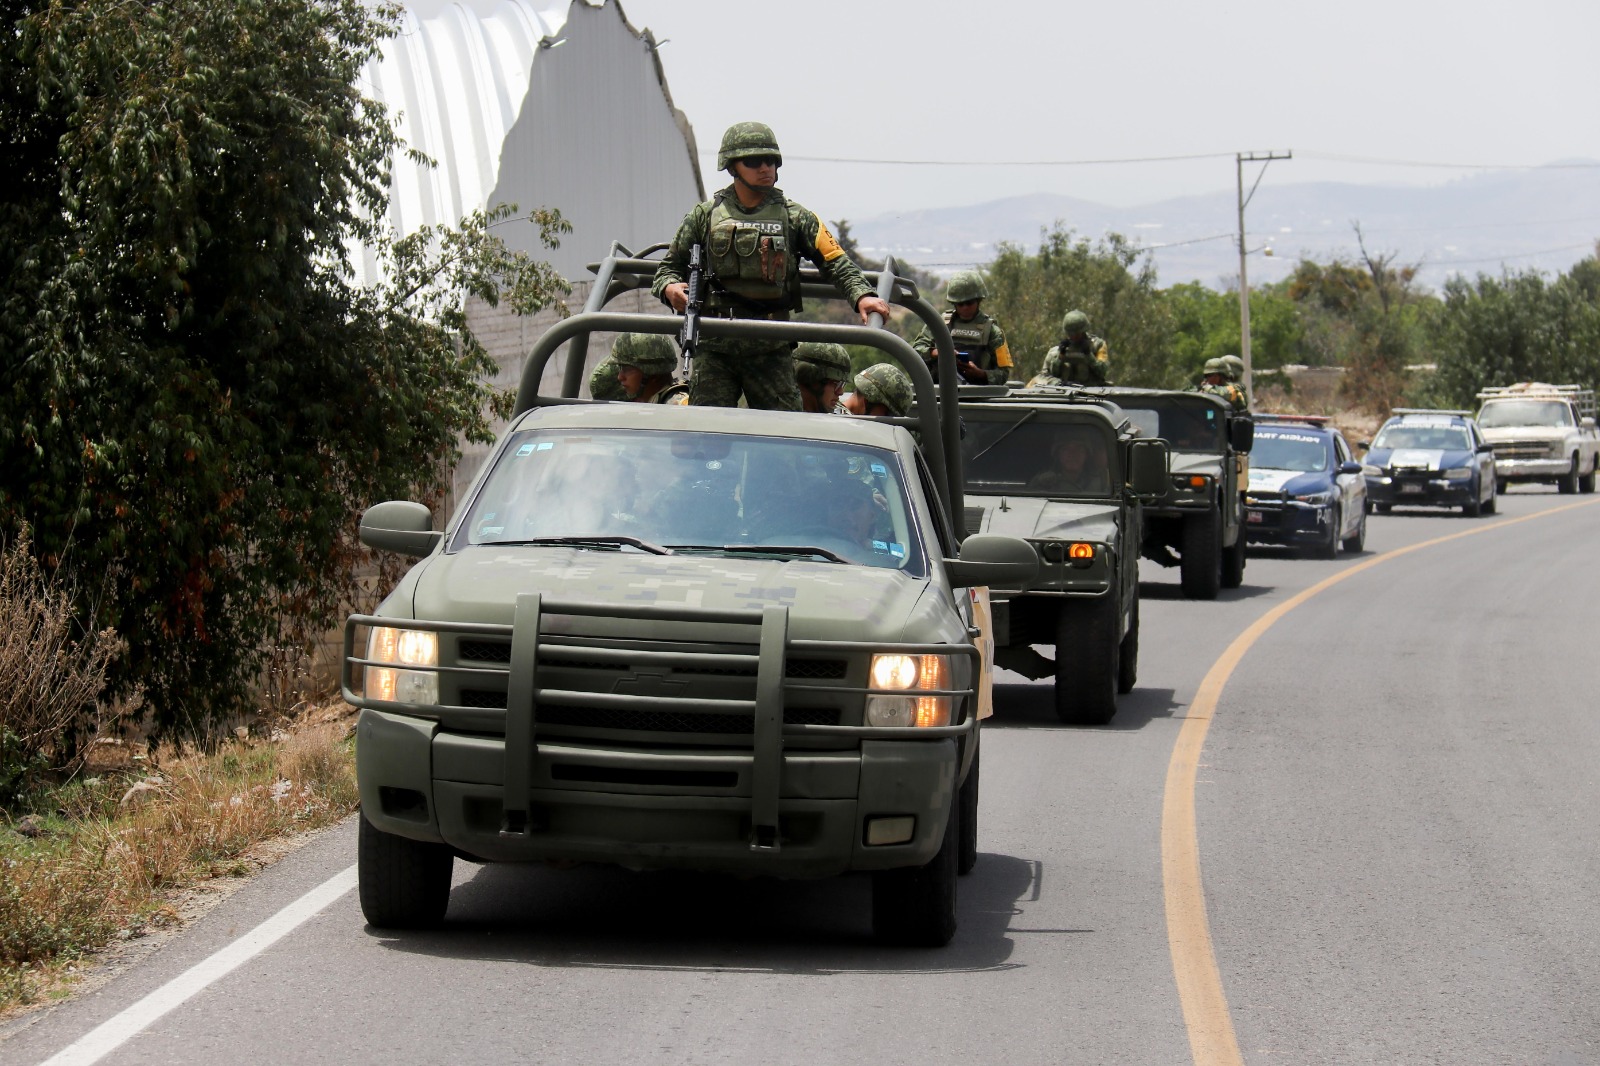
pixel 749 252
pixel 1073 365
pixel 971 337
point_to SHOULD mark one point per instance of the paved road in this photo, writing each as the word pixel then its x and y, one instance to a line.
pixel 1396 809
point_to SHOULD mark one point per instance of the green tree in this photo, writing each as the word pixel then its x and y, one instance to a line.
pixel 1206 325
pixel 194 394
pixel 1111 280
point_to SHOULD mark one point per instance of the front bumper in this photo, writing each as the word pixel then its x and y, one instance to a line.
pixel 1419 490
pixel 1287 523
pixel 1531 469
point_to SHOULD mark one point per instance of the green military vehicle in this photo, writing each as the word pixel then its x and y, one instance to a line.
pixel 1071 475
pixel 687 638
pixel 1202 517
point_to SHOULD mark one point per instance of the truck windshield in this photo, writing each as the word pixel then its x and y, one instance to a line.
pixel 698 493
pixel 1503 413
pixel 1442 438
pixel 1301 452
pixel 1037 458
pixel 1187 425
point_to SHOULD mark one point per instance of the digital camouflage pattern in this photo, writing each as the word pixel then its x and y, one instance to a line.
pixel 765 379
pixel 1081 362
pixel 816 363
pixel 603 383
pixel 979 338
pixel 887 384
pixel 965 286
pixel 744 139
pixel 652 353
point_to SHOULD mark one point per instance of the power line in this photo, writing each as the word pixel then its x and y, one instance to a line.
pixel 1331 157
pixel 1325 156
pixel 1514 255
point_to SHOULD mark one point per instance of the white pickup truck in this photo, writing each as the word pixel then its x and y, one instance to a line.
pixel 1544 433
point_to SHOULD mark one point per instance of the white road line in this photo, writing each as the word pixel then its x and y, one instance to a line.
pixel 112 1034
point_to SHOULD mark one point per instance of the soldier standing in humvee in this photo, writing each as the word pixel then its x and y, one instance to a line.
pixel 981 353
pixel 1214 379
pixel 753 238
pixel 1080 358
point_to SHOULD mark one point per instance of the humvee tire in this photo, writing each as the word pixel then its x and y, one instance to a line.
pixel 1128 655
pixel 1233 564
pixel 1086 661
pixel 1200 563
pixel 915 906
pixel 969 814
pixel 403 883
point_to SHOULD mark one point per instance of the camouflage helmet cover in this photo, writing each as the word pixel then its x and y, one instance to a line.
pixel 1214 366
pixel 652 353
pixel 1235 367
pixel 887 384
pixel 1074 323
pixel 744 139
pixel 830 357
pixel 966 285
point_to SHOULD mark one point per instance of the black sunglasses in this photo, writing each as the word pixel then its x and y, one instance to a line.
pixel 758 161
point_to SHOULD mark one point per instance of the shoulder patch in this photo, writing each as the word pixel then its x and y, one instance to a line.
pixel 826 244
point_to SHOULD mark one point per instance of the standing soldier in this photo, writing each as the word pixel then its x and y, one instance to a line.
pixel 1080 358
pixel 753 237
pixel 822 371
pixel 1235 367
pixel 645 362
pixel 1214 380
pixel 981 353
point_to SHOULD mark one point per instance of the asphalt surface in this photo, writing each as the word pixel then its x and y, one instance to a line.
pixel 1396 812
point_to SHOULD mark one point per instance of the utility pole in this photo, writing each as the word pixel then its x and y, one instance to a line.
pixel 1240 159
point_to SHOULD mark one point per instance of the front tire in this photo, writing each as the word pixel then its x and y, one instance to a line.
pixel 969 813
pixel 916 906
pixel 1357 541
pixel 1233 564
pixel 1128 655
pixel 1569 481
pixel 403 883
pixel 1492 504
pixel 1586 481
pixel 1200 564
pixel 1330 550
pixel 1086 661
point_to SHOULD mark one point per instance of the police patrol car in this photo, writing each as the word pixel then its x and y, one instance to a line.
pixel 1430 459
pixel 1306 489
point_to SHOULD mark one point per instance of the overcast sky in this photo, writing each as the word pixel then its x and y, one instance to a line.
pixel 1355 89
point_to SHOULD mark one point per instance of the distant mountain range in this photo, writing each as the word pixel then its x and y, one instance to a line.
pixel 1546 219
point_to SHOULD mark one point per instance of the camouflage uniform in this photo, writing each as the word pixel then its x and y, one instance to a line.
pixel 816 364
pixel 603 383
pixel 978 339
pixel 1235 373
pixel 752 257
pixel 1216 368
pixel 653 356
pixel 1083 361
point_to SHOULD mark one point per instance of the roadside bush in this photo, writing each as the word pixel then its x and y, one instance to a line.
pixel 51 675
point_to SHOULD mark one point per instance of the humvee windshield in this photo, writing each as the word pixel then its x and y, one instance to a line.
pixel 625 490
pixel 1189 425
pixel 1022 457
pixel 1524 413
pixel 1443 438
pixel 1278 450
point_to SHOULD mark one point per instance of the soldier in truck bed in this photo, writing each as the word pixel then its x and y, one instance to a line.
pixel 754 238
pixel 981 353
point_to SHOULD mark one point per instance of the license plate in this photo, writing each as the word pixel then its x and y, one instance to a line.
pixel 1410 490
pixel 1253 517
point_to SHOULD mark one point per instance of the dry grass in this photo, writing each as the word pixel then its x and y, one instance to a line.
pixel 103 855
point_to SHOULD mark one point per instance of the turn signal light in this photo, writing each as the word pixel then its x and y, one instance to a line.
pixel 1081 551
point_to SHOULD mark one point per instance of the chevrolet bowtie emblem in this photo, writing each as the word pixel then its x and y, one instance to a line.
pixel 644 683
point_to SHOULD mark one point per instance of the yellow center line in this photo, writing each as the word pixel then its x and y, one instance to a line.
pixel 1194 963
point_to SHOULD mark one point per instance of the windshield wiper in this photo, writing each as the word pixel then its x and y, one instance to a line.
pixel 586 542
pixel 765 549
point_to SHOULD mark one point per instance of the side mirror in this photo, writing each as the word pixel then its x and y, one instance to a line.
pixel 1485 447
pixel 995 560
pixel 1149 467
pixel 1350 468
pixel 399 526
pixel 1241 433
pixel 1586 422
pixel 1364 445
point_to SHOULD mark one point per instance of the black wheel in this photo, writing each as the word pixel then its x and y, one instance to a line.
pixel 1569 481
pixel 1500 486
pixel 1384 508
pixel 1472 508
pixel 1492 504
pixel 1086 661
pixel 1233 564
pixel 1200 562
pixel 1128 655
pixel 1358 540
pixel 916 906
pixel 403 883
pixel 969 815
pixel 1586 481
pixel 1330 550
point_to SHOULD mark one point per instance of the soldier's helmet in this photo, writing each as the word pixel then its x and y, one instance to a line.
pixel 1214 366
pixel 1235 367
pixel 967 285
pixel 887 384
pixel 652 353
pixel 1074 323
pixel 831 358
pixel 744 139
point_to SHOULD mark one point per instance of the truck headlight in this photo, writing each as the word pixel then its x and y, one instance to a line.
pixel 1457 473
pixel 407 647
pixel 908 673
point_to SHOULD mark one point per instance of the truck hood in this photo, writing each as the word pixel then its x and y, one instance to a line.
pixel 827 601
pixel 1197 463
pixel 1036 519
pixel 1549 433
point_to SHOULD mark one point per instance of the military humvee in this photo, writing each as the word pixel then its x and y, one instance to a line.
pixel 668 637
pixel 1071 475
pixel 1202 517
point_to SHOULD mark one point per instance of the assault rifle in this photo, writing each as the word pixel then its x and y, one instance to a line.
pixel 689 335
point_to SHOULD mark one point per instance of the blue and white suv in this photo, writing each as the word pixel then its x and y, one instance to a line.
pixel 1430 459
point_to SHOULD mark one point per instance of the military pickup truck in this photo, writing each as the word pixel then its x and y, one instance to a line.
pixel 1069 473
pixel 1202 517
pixel 668 637
pixel 1541 433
